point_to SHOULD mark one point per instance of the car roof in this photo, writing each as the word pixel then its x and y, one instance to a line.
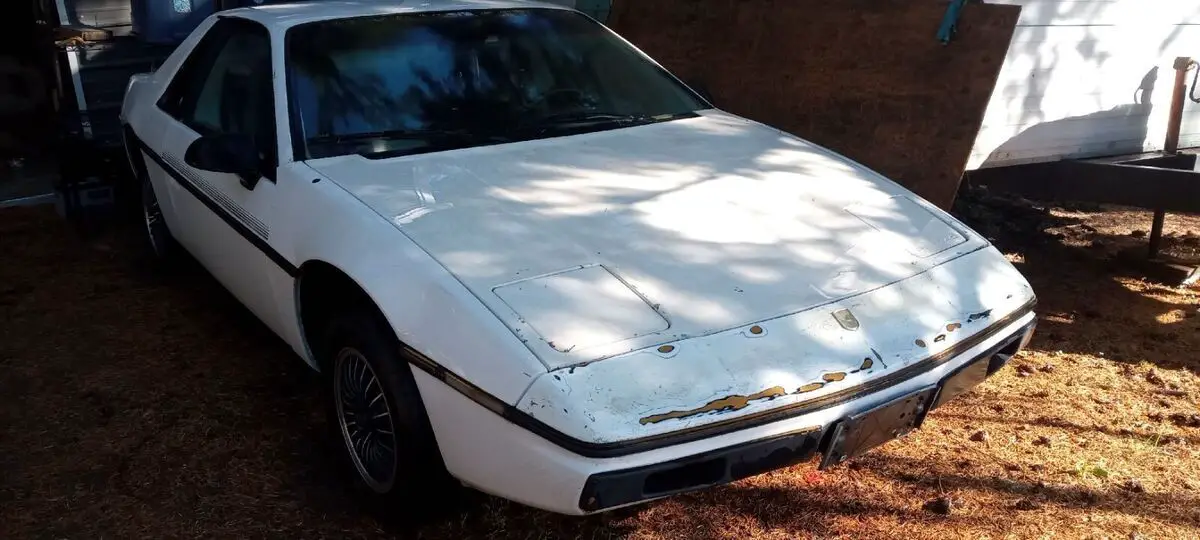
pixel 285 15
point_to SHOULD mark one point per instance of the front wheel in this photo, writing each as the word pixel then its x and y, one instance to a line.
pixel 365 420
pixel 377 414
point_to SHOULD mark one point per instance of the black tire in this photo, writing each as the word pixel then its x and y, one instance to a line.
pixel 162 243
pixel 419 479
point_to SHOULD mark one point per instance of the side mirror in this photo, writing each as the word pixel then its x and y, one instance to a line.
pixel 226 153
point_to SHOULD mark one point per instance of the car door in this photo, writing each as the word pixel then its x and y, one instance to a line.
pixel 225 87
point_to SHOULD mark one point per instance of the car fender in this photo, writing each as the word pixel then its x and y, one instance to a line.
pixel 431 312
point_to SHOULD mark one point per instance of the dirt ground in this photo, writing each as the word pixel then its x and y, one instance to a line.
pixel 138 404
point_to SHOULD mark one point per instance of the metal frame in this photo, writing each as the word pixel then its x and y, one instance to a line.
pixel 1166 181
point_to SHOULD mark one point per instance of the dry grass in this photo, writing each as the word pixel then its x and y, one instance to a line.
pixel 141 405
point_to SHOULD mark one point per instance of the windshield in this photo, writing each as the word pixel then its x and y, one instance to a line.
pixel 406 84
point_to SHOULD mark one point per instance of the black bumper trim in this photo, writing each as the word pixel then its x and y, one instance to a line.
pixel 606 490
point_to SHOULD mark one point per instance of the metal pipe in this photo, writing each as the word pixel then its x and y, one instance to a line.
pixel 1156 231
pixel 1178 96
pixel 1171 145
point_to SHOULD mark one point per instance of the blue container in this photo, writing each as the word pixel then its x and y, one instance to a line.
pixel 168 21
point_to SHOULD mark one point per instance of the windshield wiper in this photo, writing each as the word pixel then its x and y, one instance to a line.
pixel 574 118
pixel 428 140
pixel 588 119
pixel 430 135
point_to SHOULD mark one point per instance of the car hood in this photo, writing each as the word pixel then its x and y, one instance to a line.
pixel 594 245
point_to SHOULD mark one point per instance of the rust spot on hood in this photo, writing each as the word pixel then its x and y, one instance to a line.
pixel 834 377
pixel 953 326
pixel 810 387
pixel 731 403
pixel 867 364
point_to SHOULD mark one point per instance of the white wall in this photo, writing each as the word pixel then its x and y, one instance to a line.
pixel 1086 78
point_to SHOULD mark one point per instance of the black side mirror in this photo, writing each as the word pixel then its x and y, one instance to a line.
pixel 226 153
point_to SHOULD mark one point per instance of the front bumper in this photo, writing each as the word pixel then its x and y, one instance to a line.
pixel 494 455
pixel 617 488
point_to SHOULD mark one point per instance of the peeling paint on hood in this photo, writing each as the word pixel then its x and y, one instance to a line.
pixel 802 357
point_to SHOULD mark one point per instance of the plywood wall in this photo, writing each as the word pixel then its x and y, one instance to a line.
pixel 866 78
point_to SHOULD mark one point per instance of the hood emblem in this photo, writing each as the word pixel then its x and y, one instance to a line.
pixel 846 319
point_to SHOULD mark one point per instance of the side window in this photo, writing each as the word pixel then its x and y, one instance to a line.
pixel 225 86
pixel 174 99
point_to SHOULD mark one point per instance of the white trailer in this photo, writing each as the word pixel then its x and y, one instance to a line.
pixel 1089 78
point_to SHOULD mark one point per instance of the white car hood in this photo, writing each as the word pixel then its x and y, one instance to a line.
pixel 595 245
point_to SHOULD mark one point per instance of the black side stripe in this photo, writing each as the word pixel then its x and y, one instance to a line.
pixel 231 220
pixel 633 446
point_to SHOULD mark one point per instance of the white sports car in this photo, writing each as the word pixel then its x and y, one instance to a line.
pixel 525 254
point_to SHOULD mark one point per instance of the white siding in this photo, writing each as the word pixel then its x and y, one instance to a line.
pixel 1087 78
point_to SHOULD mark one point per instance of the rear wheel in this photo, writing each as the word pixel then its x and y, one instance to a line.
pixel 377 416
pixel 161 242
